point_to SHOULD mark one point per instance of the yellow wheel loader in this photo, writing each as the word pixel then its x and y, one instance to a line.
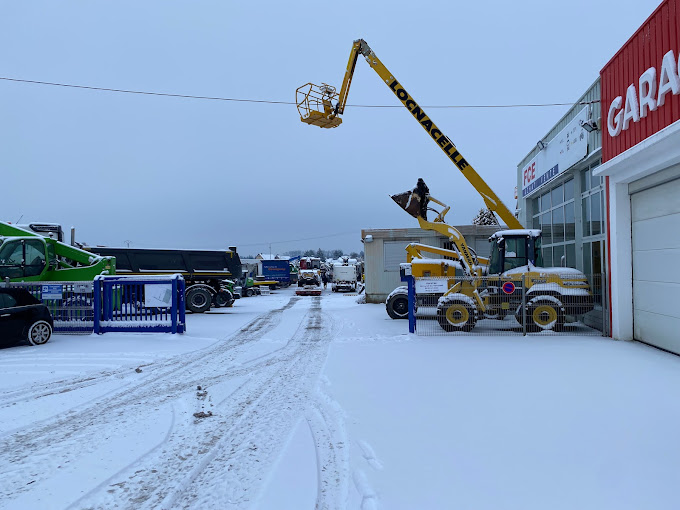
pixel 516 282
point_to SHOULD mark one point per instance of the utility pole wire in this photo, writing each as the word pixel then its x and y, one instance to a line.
pixel 264 101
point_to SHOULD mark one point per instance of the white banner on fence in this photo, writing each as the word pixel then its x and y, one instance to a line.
pixel 158 295
pixel 431 286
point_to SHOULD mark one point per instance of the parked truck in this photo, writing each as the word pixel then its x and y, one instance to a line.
pixel 277 270
pixel 210 275
pixel 344 275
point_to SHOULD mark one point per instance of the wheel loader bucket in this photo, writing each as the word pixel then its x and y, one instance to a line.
pixel 409 202
pixel 315 105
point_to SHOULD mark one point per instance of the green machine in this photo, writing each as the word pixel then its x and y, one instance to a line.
pixel 26 256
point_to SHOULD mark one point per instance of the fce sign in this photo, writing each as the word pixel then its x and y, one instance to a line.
pixel 650 94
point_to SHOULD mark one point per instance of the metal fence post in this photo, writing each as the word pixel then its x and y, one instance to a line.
pixel 182 305
pixel 173 311
pixel 97 304
pixel 605 305
pixel 411 304
pixel 524 303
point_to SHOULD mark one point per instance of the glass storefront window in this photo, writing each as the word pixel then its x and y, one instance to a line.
pixel 558 256
pixel 547 257
pixel 545 202
pixel 585 215
pixel 585 180
pixel 557 195
pixel 546 228
pixel 569 224
pixel 571 254
pixel 595 214
pixel 558 225
pixel 569 190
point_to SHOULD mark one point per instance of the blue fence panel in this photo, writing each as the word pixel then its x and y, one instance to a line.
pixel 133 304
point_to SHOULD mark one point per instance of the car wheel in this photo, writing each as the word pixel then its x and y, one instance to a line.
pixel 198 300
pixel 39 333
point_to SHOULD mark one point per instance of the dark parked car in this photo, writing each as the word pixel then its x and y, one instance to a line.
pixel 23 317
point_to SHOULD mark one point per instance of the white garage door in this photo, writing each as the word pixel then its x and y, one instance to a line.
pixel 656 265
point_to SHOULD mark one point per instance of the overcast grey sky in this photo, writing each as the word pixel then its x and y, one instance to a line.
pixel 169 172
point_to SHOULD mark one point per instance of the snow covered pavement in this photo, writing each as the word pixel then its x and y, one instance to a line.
pixel 287 402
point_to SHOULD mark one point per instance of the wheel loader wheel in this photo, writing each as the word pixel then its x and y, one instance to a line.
pixel 198 300
pixel 545 313
pixel 456 314
pixel 397 306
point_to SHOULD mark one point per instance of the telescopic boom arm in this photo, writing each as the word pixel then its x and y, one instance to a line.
pixel 328 118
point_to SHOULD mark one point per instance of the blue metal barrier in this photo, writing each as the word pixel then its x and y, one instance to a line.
pixel 146 304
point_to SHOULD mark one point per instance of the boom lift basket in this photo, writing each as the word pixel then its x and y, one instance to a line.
pixel 315 105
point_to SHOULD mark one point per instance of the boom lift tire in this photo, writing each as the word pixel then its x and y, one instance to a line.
pixel 397 305
pixel 198 300
pixel 456 313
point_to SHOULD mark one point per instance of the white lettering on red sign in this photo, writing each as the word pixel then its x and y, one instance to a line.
pixel 650 97
pixel 529 173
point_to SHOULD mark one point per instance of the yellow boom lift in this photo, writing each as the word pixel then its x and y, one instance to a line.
pixel 515 264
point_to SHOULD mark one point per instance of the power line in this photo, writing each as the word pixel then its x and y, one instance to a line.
pixel 264 101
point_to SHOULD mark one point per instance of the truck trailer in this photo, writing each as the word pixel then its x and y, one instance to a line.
pixel 210 275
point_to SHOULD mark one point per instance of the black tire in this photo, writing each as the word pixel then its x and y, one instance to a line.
pixel 224 298
pixel 39 333
pixel 397 306
pixel 456 314
pixel 249 292
pixel 545 313
pixel 198 300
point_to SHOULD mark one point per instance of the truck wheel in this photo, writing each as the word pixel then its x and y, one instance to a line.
pixel 249 292
pixel 223 298
pixel 455 313
pixel 545 313
pixel 198 300
pixel 397 306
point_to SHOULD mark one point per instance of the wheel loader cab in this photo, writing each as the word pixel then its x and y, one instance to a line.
pixel 514 248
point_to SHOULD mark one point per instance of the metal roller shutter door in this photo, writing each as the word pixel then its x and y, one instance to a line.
pixel 656 265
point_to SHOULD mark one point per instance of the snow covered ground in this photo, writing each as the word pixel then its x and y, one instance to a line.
pixel 286 402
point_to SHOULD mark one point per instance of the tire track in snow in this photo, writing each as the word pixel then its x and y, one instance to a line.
pixel 74 433
pixel 239 443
